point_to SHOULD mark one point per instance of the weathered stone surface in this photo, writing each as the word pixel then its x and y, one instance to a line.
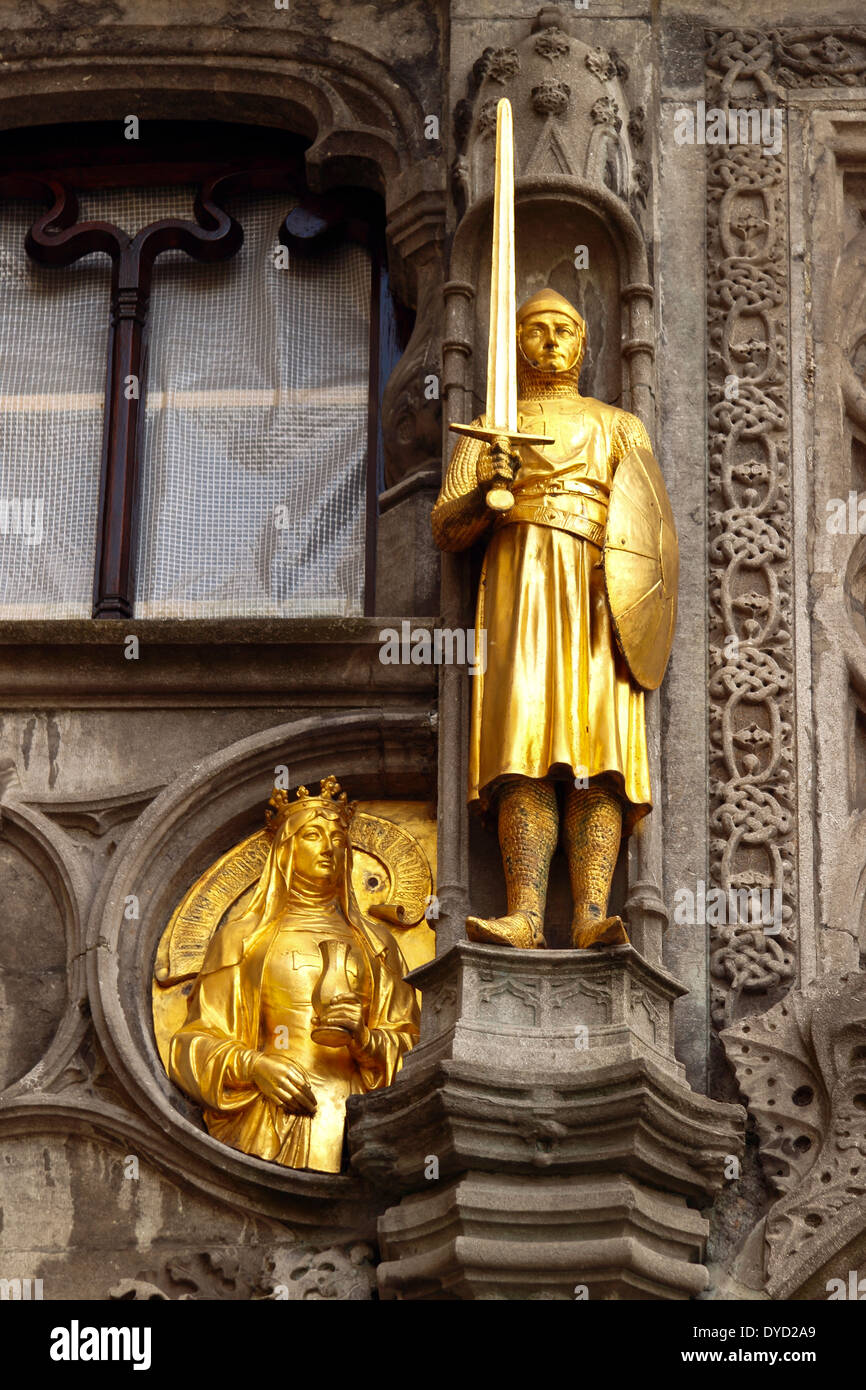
pixel 540 1093
pixel 32 965
pixel 490 1237
pixel 97 1220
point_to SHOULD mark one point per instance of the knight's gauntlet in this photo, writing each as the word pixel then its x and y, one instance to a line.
pixel 496 465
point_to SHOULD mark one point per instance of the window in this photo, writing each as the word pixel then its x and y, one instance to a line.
pixel 210 447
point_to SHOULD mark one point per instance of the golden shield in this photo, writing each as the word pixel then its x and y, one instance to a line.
pixel 642 567
pixel 393 849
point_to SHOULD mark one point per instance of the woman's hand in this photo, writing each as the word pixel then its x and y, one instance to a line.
pixel 348 1014
pixel 285 1082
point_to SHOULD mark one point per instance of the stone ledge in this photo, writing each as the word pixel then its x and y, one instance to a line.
pixel 628 1117
pixel 551 1010
pixel 488 1237
pixel 207 663
pixel 186 631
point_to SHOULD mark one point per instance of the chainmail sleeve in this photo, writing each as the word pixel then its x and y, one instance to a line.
pixel 628 433
pixel 460 515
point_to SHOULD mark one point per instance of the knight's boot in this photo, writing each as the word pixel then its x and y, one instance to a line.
pixel 592 828
pixel 528 831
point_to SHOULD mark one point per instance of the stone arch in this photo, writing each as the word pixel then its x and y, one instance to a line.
pixel 565 203
pixel 347 103
pixel 365 125
pixel 41 848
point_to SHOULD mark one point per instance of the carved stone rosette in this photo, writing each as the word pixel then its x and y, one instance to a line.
pixel 752 759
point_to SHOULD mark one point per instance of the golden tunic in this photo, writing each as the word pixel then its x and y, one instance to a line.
pixel 556 699
pixel 254 995
pixel 290 975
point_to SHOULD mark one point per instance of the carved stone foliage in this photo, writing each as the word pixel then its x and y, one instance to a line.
pixel 604 112
pixel 497 64
pixel 570 111
pixel 551 97
pixel 606 66
pixel 551 43
pixel 751 743
pixel 288 1273
pixel 802 1067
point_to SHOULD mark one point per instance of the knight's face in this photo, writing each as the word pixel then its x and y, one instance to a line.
pixel 550 342
pixel 320 851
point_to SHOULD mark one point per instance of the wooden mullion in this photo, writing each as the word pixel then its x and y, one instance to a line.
pixel 116 537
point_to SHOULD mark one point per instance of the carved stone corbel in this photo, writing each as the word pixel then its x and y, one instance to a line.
pixel 528 1140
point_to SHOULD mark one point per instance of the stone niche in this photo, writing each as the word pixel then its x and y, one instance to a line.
pixel 580 185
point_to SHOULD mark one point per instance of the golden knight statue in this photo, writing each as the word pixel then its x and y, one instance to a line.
pixel 300 1001
pixel 577 599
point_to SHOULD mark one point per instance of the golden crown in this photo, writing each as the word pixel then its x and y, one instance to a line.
pixel 330 797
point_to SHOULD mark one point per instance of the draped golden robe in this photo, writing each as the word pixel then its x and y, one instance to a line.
pixel 258 975
pixel 556 698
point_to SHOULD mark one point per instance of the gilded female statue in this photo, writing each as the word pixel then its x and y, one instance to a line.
pixel 265 1054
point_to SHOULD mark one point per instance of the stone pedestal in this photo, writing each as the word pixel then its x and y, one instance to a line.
pixel 541 1139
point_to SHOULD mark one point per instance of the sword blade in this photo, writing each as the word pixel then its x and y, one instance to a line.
pixel 502 341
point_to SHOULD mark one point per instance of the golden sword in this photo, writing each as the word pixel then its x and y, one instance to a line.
pixel 502 340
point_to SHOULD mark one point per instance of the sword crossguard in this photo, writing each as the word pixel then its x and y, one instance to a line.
pixel 499 499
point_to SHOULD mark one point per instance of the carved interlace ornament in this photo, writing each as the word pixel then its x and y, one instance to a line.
pixel 789 58
pixel 751 717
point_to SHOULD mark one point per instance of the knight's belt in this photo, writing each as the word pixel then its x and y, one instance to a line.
pixel 564 511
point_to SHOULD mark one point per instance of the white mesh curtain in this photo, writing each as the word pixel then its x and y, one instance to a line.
pixel 53 341
pixel 252 487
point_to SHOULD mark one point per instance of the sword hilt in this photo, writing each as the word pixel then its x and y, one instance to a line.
pixel 499 499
